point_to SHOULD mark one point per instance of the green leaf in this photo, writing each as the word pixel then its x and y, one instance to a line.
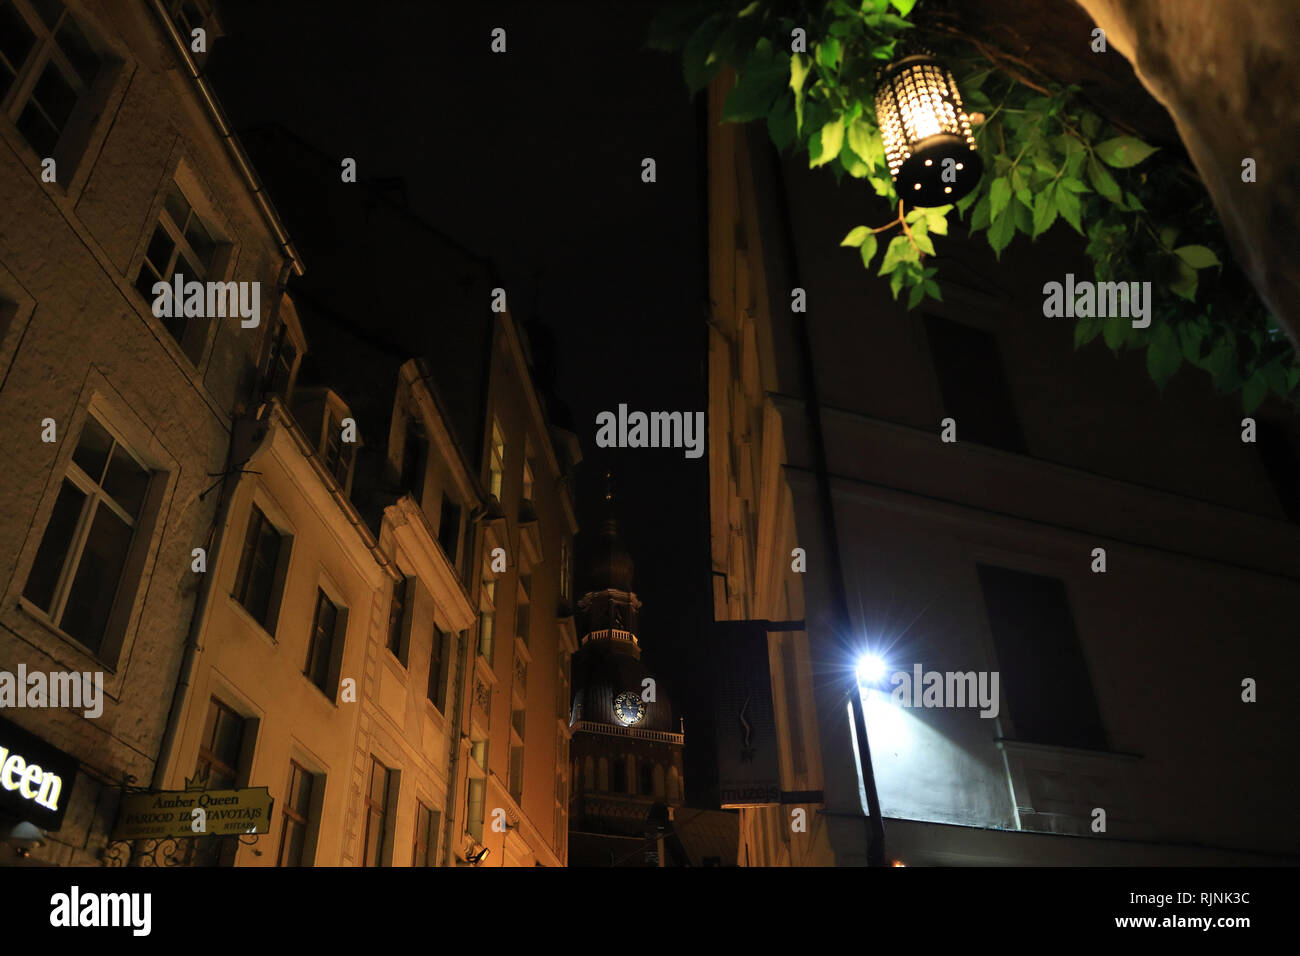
pixel 1073 185
pixel 896 282
pixel 1001 232
pixel 800 66
pixel 915 296
pixel 1164 355
pixel 1044 211
pixel 936 219
pixel 1085 330
pixel 1185 284
pixel 932 289
pixel 1123 151
pixel 980 217
pixel 1067 204
pixel 864 140
pixel 832 138
pixel 781 124
pixel 1253 392
pixel 904 7
pixel 749 10
pixel 999 196
pixel 756 89
pixel 898 251
pixel 1091 124
pixel 697 66
pixel 856 236
pixel 1114 332
pixel 1103 181
pixel 922 239
pixel 828 53
pixel 1198 257
pixel 868 249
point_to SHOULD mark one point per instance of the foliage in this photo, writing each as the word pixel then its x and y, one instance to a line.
pixel 1050 162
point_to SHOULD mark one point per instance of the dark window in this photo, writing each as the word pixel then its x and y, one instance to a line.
pixel 79 567
pixel 55 44
pixel 280 372
pixel 397 615
pixel 181 243
pixel 415 457
pixel 296 817
pixel 449 529
pixel 517 772
pixel 320 647
pixel 337 452
pixel 1040 661
pixel 376 814
pixel 647 779
pixel 973 385
pixel 438 669
pixel 426 836
pixel 521 607
pixel 619 775
pixel 217 768
pixel 261 569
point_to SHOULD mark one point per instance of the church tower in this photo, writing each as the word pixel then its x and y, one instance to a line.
pixel 626 754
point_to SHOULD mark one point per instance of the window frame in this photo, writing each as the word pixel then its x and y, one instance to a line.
pixel 291 815
pixel 279 574
pixel 95 497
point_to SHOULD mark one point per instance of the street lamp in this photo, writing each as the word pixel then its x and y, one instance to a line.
pixel 871 669
pixel 926 132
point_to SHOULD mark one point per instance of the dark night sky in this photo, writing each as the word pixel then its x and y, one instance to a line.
pixel 532 158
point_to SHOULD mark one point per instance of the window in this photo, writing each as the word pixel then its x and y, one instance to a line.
pixel 261 570
pixel 47 68
pixel 322 646
pixel 647 779
pixel 217 768
pixel 474 801
pixel 181 243
pixel 297 816
pixel 415 458
pixel 517 772
pixel 479 750
pixel 620 775
pixel 438 668
pixel 335 452
pixel 1040 662
pixel 377 795
pixel 521 607
pixel 449 529
pixel 78 577
pixel 497 464
pixel 527 493
pixel 426 836
pixel 284 356
pixel 972 384
pixel 399 618
pixel 487 614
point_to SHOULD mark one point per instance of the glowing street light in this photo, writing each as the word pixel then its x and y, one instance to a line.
pixel 871 669
pixel 926 132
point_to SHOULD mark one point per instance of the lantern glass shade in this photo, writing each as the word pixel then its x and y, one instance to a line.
pixel 926 133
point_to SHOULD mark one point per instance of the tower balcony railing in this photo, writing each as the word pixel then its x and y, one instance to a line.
pixel 592 727
pixel 611 634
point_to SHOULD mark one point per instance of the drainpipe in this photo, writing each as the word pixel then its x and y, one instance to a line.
pixel 840 619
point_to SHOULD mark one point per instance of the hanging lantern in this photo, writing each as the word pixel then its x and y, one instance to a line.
pixel 922 123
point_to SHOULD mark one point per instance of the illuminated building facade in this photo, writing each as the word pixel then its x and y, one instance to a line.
pixel 839 513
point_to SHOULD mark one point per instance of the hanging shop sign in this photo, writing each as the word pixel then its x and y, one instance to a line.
pixel 159 814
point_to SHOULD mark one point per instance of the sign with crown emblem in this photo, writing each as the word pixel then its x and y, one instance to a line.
pixel 749 774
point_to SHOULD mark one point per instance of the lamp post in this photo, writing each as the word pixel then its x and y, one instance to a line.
pixel 926 132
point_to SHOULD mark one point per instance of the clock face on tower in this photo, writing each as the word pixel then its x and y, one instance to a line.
pixel 629 708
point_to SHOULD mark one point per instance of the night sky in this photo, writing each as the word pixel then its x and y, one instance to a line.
pixel 532 159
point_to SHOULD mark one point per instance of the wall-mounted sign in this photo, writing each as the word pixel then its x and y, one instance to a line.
pixel 159 814
pixel 749 774
pixel 35 778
